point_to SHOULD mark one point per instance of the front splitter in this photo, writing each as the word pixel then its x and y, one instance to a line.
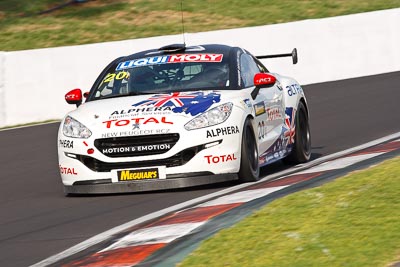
pixel 149 185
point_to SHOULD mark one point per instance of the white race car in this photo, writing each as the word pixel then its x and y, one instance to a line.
pixel 181 116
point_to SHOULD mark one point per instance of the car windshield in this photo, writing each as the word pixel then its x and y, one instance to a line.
pixel 164 74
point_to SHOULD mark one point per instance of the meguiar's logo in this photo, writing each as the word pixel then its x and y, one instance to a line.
pixel 129 175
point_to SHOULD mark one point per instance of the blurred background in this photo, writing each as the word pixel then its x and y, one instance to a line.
pixel 26 24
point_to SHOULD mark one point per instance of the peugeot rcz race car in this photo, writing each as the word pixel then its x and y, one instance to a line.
pixel 181 116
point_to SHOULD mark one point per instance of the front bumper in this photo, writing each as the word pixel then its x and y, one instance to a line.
pixel 202 156
pixel 107 187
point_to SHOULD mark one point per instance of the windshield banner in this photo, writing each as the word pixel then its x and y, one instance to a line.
pixel 179 58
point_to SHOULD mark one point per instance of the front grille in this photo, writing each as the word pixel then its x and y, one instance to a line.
pixel 178 159
pixel 136 145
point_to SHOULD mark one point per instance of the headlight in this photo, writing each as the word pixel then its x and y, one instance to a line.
pixel 75 129
pixel 212 117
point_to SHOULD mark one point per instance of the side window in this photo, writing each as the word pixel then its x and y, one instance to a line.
pixel 248 68
pixel 262 68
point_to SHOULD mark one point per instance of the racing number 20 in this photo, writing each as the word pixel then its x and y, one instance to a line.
pixel 119 76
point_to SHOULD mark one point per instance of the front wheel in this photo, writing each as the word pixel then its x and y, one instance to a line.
pixel 249 167
pixel 301 151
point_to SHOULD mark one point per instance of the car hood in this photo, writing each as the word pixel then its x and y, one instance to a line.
pixel 151 112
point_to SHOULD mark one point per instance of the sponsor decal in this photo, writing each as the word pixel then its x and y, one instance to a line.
pixel 259 108
pixel 262 130
pixel 146 110
pixel 135 121
pixel 66 170
pixel 218 159
pixel 275 152
pixel 273 113
pixel 294 89
pixel 246 103
pixel 264 80
pixel 284 144
pixel 129 175
pixel 191 103
pixel 222 131
pixel 141 148
pixel 135 132
pixel 179 58
pixel 66 143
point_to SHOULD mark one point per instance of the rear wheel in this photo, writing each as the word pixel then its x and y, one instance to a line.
pixel 249 167
pixel 301 151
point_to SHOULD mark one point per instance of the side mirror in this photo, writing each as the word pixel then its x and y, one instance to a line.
pixel 263 80
pixel 74 97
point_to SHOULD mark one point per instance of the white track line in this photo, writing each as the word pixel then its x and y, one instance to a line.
pixel 242 196
pixel 107 234
pixel 155 235
pixel 340 163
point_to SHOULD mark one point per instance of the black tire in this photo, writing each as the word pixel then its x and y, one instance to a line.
pixel 249 167
pixel 301 151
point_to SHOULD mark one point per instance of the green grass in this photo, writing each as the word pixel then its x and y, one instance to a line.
pixel 352 221
pixel 105 20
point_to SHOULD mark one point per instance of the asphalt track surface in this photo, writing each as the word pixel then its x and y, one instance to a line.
pixel 38 221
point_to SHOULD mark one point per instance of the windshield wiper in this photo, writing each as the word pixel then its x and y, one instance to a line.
pixel 126 94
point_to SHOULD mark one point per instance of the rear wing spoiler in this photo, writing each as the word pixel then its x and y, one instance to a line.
pixel 293 55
